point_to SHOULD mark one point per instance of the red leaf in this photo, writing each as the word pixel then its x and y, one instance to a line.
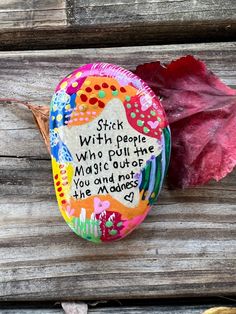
pixel 202 115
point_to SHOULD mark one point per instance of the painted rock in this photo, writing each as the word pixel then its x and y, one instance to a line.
pixel 110 147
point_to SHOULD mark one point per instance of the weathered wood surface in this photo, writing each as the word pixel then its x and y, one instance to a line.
pixel 152 309
pixel 186 246
pixel 155 309
pixel 174 309
pixel 20 310
pixel 32 14
pixel 67 23
pixel 33 76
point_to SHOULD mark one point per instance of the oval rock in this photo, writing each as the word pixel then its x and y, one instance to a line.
pixel 110 148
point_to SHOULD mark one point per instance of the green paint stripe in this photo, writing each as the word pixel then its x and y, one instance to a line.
pixel 158 178
pixel 167 136
pixel 146 178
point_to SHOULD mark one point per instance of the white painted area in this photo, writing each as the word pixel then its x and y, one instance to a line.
pixel 113 112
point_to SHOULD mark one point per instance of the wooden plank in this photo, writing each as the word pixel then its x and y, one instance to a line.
pixel 185 247
pixel 66 23
pixel 19 310
pixel 33 75
pixel 191 309
pixel 32 14
pixel 155 309
pixel 29 177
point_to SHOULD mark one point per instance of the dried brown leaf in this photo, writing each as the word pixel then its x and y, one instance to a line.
pixel 41 117
pixel 40 114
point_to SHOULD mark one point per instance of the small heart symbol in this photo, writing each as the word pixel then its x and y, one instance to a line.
pixel 100 206
pixel 152 124
pixel 129 197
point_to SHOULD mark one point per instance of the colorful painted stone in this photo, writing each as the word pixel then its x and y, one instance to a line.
pixel 110 148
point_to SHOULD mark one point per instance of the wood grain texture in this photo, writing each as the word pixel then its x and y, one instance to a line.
pixel 32 14
pixel 155 309
pixel 33 75
pixel 75 23
pixel 152 309
pixel 20 310
pixel 185 247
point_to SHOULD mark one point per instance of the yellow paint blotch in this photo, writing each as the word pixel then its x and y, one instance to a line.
pixel 87 82
pixel 74 84
pixel 63 85
pixel 59 117
pixel 78 74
